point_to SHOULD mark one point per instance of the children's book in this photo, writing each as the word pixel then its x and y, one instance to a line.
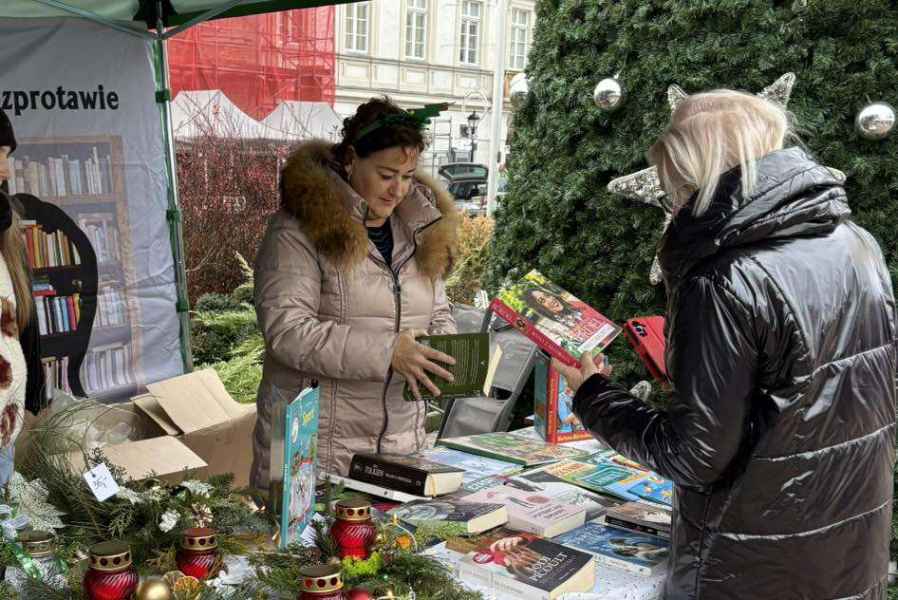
pixel 634 552
pixel 556 320
pixel 654 488
pixel 511 448
pixel 300 451
pixel 605 478
pixel 553 407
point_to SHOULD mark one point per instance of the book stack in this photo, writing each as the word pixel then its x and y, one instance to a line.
pixel 532 512
pixel 102 231
pixel 47 250
pixel 107 367
pixel 111 308
pixel 55 314
pixel 61 176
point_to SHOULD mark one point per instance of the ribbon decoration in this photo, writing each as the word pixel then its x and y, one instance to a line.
pixel 9 528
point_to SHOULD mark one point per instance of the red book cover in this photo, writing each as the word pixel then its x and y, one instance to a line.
pixel 554 319
pixel 73 320
pixel 553 407
pixel 646 335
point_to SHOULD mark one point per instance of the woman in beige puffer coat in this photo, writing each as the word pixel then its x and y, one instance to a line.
pixel 334 308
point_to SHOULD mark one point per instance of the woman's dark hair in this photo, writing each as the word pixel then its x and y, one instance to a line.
pixel 387 136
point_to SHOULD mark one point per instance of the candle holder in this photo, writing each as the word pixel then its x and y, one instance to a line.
pixel 198 555
pixel 353 530
pixel 321 582
pixel 111 574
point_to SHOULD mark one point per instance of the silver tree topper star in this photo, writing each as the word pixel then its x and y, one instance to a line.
pixel 644 186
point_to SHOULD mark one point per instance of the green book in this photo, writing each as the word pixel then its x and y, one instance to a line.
pixel 471 352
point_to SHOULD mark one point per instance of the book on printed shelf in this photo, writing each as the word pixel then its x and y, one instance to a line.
pixel 521 565
pixel 465 518
pixel 409 474
pixel 533 512
pixel 554 319
pixel 628 550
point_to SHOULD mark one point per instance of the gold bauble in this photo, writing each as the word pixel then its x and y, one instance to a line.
pixel 187 588
pixel 154 588
pixel 172 577
pixel 380 538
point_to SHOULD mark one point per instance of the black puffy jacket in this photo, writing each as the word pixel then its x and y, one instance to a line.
pixel 781 432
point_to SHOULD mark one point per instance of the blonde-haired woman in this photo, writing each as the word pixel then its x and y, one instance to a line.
pixel 16 305
pixel 781 350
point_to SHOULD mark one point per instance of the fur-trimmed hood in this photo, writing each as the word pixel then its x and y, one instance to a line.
pixel 331 214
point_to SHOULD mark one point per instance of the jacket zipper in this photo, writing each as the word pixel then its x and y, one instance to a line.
pixel 397 301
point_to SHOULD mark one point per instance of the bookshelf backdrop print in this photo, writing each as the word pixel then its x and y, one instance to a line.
pixel 89 171
pixel 81 176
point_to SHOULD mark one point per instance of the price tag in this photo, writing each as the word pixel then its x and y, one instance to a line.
pixel 101 483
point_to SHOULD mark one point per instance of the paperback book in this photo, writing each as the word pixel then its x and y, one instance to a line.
pixel 554 319
pixel 512 448
pixel 533 512
pixel 521 565
pixel 542 481
pixel 465 518
pixel 634 552
pixel 639 517
pixel 605 478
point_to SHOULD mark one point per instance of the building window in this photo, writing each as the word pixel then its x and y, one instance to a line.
pixel 520 30
pixel 416 29
pixel 469 46
pixel 357 24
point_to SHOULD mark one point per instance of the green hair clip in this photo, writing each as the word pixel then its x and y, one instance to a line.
pixel 416 118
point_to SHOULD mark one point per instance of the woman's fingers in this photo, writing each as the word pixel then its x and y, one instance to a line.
pixel 437 370
pixel 413 386
pixel 436 355
pixel 424 380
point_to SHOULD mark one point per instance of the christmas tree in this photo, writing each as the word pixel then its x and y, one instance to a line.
pixel 560 218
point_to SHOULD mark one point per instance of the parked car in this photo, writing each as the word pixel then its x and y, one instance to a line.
pixel 452 171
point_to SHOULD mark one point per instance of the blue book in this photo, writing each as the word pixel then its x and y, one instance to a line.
pixel 475 466
pixel 628 550
pixel 654 489
pixel 300 452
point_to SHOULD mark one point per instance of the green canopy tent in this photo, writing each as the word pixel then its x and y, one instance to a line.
pixel 158 20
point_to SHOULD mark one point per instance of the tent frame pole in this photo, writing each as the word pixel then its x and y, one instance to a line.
pixel 92 16
pixel 173 213
pixel 201 18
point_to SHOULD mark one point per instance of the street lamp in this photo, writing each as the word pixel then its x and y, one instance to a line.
pixel 473 118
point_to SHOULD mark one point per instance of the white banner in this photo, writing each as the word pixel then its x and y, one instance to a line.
pixel 90 173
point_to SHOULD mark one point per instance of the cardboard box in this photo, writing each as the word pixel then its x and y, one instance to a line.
pixel 197 410
pixel 163 457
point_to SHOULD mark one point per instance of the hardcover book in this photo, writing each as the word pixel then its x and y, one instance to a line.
pixel 521 565
pixel 467 517
pixel 533 512
pixel 409 474
pixel 300 451
pixel 512 448
pixel 471 352
pixel 628 550
pixel 553 407
pixel 556 320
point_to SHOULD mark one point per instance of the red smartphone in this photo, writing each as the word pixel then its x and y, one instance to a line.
pixel 646 335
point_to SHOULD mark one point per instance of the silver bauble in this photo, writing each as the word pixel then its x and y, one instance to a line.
pixel 876 121
pixel 609 94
